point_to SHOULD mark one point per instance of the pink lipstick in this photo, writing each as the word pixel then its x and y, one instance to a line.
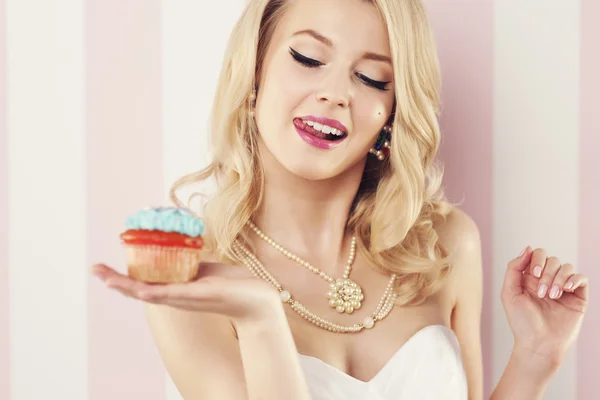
pixel 316 137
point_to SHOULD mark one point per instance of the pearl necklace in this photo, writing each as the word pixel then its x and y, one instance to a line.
pixel 344 295
pixel 258 270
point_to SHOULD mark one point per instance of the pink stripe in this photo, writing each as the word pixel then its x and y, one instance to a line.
pixel 124 173
pixel 4 286
pixel 467 127
pixel 588 352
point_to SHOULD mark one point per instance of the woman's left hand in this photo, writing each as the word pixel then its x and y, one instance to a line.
pixel 242 300
pixel 545 302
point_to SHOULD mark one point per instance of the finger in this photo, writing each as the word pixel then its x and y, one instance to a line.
pixel 103 271
pixel 578 284
pixel 538 260
pixel 204 290
pixel 514 273
pixel 126 293
pixel 560 279
pixel 126 284
pixel 135 294
pixel 112 279
pixel 550 269
pixel 182 305
pixel 118 288
pixel 121 283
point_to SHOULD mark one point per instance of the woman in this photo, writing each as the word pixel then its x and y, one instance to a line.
pixel 324 132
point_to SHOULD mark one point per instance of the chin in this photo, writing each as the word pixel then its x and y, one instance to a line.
pixel 304 161
pixel 308 168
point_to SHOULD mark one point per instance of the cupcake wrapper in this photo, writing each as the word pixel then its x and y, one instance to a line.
pixel 160 264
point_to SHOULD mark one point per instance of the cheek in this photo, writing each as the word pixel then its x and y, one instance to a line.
pixel 285 86
pixel 371 113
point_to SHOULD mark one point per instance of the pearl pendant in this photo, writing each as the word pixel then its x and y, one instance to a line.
pixel 368 322
pixel 345 296
pixel 285 296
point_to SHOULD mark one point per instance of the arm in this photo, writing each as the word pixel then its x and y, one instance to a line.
pixel 199 351
pixel 523 379
pixel 270 359
pixel 459 235
pixel 206 361
pixel 525 376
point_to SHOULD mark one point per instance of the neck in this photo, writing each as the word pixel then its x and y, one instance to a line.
pixel 308 217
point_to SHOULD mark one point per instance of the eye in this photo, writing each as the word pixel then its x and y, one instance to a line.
pixel 307 62
pixel 379 85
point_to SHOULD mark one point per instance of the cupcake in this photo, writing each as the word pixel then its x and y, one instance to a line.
pixel 163 245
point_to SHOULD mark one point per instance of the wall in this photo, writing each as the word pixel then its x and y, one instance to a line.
pixel 103 103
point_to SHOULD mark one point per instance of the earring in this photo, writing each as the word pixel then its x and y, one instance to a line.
pixel 252 101
pixel 382 146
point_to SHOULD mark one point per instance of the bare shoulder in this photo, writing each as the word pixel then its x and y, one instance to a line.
pixel 460 237
pixel 458 234
pixel 199 350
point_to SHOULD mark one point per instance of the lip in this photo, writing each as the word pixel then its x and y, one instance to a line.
pixel 326 121
pixel 314 140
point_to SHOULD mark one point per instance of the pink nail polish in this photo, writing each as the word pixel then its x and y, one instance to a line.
pixel 523 252
pixel 569 285
pixel 537 271
pixel 542 290
pixel 554 291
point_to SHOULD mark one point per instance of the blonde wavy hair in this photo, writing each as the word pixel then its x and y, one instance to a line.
pixel 399 200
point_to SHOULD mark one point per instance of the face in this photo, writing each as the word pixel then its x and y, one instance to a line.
pixel 326 87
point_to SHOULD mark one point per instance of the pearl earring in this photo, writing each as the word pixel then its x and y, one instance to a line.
pixel 252 101
pixel 382 146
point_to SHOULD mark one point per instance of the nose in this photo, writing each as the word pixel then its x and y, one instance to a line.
pixel 334 91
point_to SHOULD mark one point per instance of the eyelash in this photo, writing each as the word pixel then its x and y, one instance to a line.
pixel 310 63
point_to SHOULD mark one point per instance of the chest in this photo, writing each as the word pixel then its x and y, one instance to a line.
pixel 364 354
pixel 360 355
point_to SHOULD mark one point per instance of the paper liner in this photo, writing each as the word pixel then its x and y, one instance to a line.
pixel 162 264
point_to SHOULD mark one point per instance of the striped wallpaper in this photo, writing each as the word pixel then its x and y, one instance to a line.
pixel 104 103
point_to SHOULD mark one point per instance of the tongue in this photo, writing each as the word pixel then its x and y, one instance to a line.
pixel 307 128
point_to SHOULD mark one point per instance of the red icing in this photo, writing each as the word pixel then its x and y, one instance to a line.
pixel 160 238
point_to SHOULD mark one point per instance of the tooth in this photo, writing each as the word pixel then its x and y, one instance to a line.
pixel 318 126
pixel 326 129
pixel 336 132
pixel 309 123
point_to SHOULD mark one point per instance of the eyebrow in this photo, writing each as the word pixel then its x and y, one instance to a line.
pixel 329 43
pixel 376 57
pixel 325 40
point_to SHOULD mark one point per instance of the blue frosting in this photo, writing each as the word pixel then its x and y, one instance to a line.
pixel 166 219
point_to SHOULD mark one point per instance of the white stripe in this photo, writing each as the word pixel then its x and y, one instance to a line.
pixel 193 43
pixel 536 124
pixel 47 224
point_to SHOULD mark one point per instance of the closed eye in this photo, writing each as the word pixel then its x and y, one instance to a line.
pixel 307 62
pixel 379 85
pixel 312 63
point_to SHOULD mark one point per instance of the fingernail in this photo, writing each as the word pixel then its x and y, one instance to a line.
pixel 537 271
pixel 542 290
pixel 554 291
pixel 569 285
pixel 523 252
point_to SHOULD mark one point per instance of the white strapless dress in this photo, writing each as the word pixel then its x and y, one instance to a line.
pixel 427 367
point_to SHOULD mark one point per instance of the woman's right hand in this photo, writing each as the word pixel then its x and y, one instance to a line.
pixel 243 300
